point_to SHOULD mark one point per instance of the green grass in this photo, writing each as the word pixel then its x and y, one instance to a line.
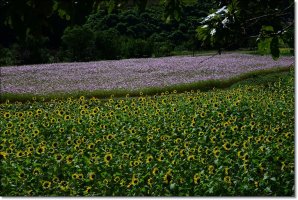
pixel 255 77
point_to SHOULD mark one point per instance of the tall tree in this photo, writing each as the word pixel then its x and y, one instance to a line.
pixel 237 20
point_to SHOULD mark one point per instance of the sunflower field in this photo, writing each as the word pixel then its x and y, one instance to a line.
pixel 234 142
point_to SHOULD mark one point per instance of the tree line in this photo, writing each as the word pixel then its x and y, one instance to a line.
pixel 46 31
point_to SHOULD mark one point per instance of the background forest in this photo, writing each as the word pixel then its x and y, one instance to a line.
pixel 82 30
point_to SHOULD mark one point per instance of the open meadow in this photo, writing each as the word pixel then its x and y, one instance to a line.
pixel 233 142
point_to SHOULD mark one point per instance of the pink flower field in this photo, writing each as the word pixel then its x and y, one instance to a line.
pixel 130 73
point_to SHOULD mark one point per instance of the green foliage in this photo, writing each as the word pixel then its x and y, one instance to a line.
pixel 274 48
pixel 108 44
pixel 240 20
pixel 217 29
pixel 268 43
pixel 172 10
pixel 136 48
pixel 264 46
pixel 8 57
pixel 79 41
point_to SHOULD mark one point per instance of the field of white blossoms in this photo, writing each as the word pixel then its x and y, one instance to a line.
pixel 131 73
pixel 236 142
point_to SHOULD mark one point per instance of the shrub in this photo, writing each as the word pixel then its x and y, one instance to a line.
pixel 107 44
pixel 162 49
pixel 136 48
pixel 8 56
pixel 79 41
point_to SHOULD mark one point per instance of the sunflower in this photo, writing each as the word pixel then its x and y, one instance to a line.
pixel 61 130
pixel 22 175
pixel 29 193
pixel 69 159
pixel 40 150
pixel 235 144
pixel 38 111
pixel 37 171
pixel 245 145
pixel 270 138
pixel 63 185
pixel 67 117
pixel 108 157
pixel 182 152
pixel 80 176
pixel 216 153
pixel 117 179
pixel 226 171
pixel 160 158
pixel 213 130
pixel 74 176
pixel 186 144
pixel 167 178
pixel 240 154
pixel 30 113
pixel 110 136
pixel 69 142
pixel 54 144
pixel 136 163
pixel 202 114
pixel 252 124
pixel 20 154
pixel 207 151
pixel 134 180
pixel 150 182
pixel 191 158
pixel 226 146
pixel 196 178
pixel 211 169
pixel 155 171
pixel 59 157
pixel 226 124
pixel 149 158
pixel 91 146
pixel 55 179
pixel 3 155
pixel 245 157
pixel 227 179
pixel 171 153
pixel 87 190
pixel 7 115
pixel 234 128
pixel 52 120
pixel 177 140
pixel 9 125
pixel 213 139
pixel 46 184
pixel 30 149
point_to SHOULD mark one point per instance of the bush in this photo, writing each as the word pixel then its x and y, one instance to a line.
pixel 162 49
pixel 107 44
pixel 32 50
pixel 121 27
pixel 177 37
pixel 7 57
pixel 136 48
pixel 79 42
